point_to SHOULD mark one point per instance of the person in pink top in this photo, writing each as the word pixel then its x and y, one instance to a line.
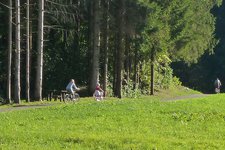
pixel 98 94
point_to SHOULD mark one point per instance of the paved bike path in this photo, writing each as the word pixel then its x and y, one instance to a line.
pixel 23 107
pixel 184 97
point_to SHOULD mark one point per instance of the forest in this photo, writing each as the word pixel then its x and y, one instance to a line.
pixel 130 47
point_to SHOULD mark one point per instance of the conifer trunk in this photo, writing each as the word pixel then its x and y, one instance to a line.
pixel 152 72
pixel 127 58
pixel 17 55
pixel 105 43
pixel 135 67
pixel 9 77
pixel 39 73
pixel 96 46
pixel 120 48
pixel 28 52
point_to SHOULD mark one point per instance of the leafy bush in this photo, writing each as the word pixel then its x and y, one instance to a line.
pixel 176 81
pixel 129 91
pixel 2 100
pixel 109 89
pixel 163 78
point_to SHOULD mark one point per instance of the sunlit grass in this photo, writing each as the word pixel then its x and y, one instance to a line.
pixel 176 92
pixel 144 123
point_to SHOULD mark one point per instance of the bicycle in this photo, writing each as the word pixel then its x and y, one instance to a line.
pixel 217 90
pixel 72 97
pixel 98 96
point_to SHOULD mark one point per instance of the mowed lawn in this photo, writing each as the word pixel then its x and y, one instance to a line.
pixel 141 124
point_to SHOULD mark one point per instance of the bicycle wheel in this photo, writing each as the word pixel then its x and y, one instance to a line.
pixel 76 97
pixel 217 90
pixel 67 98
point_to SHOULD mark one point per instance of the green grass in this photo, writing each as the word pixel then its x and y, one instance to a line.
pixel 175 92
pixel 144 123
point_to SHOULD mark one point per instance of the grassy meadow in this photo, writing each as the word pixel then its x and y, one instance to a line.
pixel 138 124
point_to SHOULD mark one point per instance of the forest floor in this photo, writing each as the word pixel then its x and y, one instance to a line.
pixel 23 107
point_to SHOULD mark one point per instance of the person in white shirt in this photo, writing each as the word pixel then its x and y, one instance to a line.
pixel 71 87
pixel 217 85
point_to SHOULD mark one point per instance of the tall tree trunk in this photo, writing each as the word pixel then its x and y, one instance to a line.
pixel 28 52
pixel 96 46
pixel 39 75
pixel 127 58
pixel 105 43
pixel 120 48
pixel 9 91
pixel 135 66
pixel 115 69
pixel 152 72
pixel 127 48
pixel 77 37
pixel 90 40
pixel 31 12
pixel 17 63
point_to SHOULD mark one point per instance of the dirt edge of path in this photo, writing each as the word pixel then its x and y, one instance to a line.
pixel 23 107
pixel 185 97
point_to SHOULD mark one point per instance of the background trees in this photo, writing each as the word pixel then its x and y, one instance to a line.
pixel 210 66
pixel 95 40
pixel 27 51
pixel 17 53
pixel 40 47
pixel 9 61
pixel 127 45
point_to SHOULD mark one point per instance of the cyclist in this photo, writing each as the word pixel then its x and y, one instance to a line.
pixel 71 87
pixel 98 94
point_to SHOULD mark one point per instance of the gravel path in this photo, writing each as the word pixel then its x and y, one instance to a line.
pixel 184 97
pixel 22 107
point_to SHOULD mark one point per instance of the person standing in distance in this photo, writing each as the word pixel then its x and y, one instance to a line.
pixel 217 85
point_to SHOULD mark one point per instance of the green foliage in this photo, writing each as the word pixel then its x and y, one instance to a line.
pixel 163 74
pixel 192 29
pixel 129 91
pixel 109 90
pixel 210 66
pixel 2 101
pixel 176 82
pixel 183 28
pixel 144 123
pixel 156 32
pixel 175 29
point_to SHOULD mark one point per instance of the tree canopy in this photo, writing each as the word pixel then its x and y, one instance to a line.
pixel 86 40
